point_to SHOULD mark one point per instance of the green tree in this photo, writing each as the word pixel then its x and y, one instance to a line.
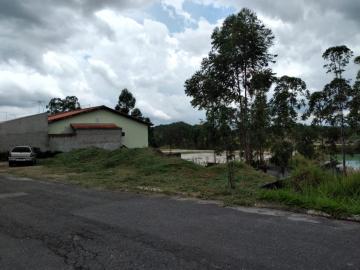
pixel 240 50
pixel 223 126
pixel 260 114
pixel 71 103
pixel 136 113
pixel 354 115
pixel 337 58
pixel 305 137
pixel 147 120
pixel 338 92
pixel 126 102
pixel 57 105
pixel 281 154
pixel 316 108
pixel 317 104
pixel 286 102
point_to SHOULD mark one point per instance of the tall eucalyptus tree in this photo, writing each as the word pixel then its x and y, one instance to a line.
pixel 240 50
pixel 338 92
pixel 354 115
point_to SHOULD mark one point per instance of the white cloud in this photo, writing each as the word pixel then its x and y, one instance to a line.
pixel 60 64
pixel 104 70
pixel 141 56
pixel 93 49
pixel 177 5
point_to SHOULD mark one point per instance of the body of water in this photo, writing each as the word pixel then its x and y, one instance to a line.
pixel 351 161
pixel 204 157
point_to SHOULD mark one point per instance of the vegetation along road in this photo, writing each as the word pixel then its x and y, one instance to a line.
pixel 147 170
pixel 48 225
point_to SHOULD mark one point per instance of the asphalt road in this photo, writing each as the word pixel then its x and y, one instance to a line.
pixel 56 226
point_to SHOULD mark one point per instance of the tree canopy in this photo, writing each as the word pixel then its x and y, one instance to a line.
pixel 136 113
pixel 354 115
pixel 337 58
pixel 289 97
pixel 240 51
pixel 126 101
pixel 57 105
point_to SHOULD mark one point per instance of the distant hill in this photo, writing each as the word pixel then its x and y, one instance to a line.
pixel 185 136
pixel 181 135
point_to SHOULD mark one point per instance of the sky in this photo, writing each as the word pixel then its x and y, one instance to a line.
pixel 92 49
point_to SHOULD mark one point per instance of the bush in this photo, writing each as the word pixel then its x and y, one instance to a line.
pixel 306 174
pixel 310 186
pixel 299 161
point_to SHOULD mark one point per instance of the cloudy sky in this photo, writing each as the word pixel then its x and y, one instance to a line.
pixel 95 48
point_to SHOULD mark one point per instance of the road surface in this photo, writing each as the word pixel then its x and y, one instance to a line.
pixel 56 226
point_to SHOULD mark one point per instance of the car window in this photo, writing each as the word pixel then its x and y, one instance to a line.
pixel 21 150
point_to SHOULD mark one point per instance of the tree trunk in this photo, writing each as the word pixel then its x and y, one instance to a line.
pixel 343 145
pixel 230 170
pixel 248 154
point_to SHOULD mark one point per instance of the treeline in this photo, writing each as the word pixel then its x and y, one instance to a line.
pixel 308 140
pixel 126 105
pixel 182 136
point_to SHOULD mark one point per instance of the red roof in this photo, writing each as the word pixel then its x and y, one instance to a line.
pixel 64 115
pixel 94 126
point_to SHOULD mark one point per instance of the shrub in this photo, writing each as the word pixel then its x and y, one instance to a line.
pixel 307 175
pixel 310 186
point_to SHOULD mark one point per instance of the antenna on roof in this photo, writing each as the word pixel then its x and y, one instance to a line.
pixel 41 106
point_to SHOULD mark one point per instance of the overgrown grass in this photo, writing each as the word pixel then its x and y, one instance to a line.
pixel 144 170
pixel 309 186
pixel 149 170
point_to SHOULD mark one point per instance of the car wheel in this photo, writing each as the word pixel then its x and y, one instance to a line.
pixel 11 164
pixel 34 162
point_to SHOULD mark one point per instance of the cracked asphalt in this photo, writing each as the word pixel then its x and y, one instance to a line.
pixel 57 226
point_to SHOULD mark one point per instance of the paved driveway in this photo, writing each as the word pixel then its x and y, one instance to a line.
pixel 55 226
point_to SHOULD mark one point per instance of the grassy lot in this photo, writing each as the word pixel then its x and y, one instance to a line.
pixel 146 170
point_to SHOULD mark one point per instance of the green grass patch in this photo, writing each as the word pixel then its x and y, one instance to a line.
pixel 309 186
pixel 147 169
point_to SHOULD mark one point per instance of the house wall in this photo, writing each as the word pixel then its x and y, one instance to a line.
pixel 109 139
pixel 31 130
pixel 136 134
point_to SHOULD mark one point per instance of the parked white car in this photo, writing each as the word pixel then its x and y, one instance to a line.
pixel 22 154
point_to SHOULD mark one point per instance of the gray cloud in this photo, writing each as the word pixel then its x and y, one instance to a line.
pixel 14 96
pixel 28 28
pixel 304 29
pixel 58 48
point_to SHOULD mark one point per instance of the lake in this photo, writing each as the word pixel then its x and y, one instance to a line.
pixel 203 157
pixel 351 161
